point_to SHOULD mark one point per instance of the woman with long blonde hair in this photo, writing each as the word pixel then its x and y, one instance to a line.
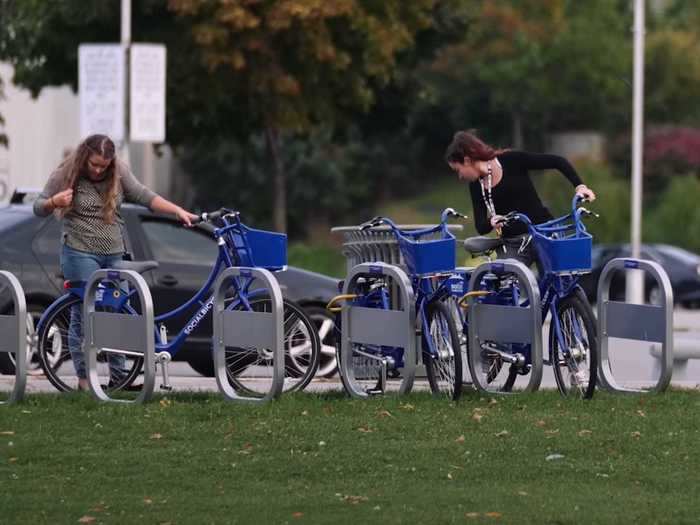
pixel 86 192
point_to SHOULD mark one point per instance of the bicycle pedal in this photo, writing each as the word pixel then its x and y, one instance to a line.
pixel 375 392
pixel 166 387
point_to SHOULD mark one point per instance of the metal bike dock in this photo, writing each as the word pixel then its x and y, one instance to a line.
pixel 13 334
pixel 639 322
pixel 504 323
pixel 263 331
pixel 118 333
pixel 394 328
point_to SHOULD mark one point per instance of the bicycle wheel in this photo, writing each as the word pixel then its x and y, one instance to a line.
pixel 250 369
pixel 53 338
pixel 575 362
pixel 443 362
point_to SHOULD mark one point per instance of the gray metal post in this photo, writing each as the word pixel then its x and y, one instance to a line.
pixel 118 332
pixel 374 326
pixel 640 322
pixel 506 324
pixel 259 330
pixel 13 334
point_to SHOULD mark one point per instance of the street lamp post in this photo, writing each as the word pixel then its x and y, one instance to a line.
pixel 635 278
pixel 126 42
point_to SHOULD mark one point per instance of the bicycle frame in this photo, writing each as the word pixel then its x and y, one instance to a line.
pixel 226 258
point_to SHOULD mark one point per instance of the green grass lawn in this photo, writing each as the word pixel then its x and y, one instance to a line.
pixel 326 459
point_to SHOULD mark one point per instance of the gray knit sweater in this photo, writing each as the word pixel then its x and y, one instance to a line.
pixel 84 228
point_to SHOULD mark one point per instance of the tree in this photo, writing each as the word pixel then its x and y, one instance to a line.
pixel 235 66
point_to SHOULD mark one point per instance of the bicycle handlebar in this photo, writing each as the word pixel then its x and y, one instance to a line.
pixel 444 217
pixel 215 215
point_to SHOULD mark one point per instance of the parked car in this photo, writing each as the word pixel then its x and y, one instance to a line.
pixel 682 266
pixel 30 250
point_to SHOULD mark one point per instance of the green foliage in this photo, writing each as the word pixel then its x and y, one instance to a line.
pixel 612 200
pixel 322 258
pixel 676 218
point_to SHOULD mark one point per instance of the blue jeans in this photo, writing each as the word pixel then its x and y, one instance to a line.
pixel 79 266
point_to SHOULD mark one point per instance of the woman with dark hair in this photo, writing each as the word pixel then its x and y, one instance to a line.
pixel 86 191
pixel 499 182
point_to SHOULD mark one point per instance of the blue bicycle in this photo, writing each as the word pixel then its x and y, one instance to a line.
pixel 248 369
pixel 563 247
pixel 429 258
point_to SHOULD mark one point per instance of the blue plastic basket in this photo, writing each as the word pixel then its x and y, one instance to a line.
pixel 260 248
pixel 428 256
pixel 565 254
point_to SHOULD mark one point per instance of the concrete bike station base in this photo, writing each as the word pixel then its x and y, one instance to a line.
pixel 262 331
pixel 639 322
pixel 505 324
pixel 13 334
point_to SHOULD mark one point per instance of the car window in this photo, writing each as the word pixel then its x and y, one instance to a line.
pixel 671 253
pixel 170 242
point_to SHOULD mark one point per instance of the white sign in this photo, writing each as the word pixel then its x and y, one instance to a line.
pixel 101 90
pixel 147 93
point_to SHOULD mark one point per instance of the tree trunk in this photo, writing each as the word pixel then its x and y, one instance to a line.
pixel 518 142
pixel 279 190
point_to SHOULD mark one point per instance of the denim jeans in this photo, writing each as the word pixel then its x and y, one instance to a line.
pixel 79 266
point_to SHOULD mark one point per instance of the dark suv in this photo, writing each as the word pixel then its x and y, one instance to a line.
pixel 30 250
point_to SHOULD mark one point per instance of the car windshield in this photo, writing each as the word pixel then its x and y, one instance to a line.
pixel 678 254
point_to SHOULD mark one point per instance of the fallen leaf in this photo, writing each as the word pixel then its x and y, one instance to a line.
pixel 502 433
pixel 584 432
pixel 636 434
pixel 365 429
pixel 87 519
pixel 476 416
pixel 551 432
pixel 156 436
pixel 471 515
pixel 297 514
pixel 449 475
pixel 460 439
pixel 522 493
pixel 26 411
pixel 7 433
pixel 493 402
pixel 147 501
pixel 305 413
pixel 354 500
pixel 12 460
pixel 541 423
pixel 384 413
pixel 641 413
pixel 493 514
pixel 321 443
pixel 165 402
pixel 407 406
pixel 554 457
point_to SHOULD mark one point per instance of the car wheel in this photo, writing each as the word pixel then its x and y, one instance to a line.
pixel 202 363
pixel 324 321
pixel 7 360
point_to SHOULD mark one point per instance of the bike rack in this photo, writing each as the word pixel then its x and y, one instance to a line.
pixel 372 326
pixel 260 330
pixel 506 324
pixel 13 330
pixel 639 322
pixel 120 333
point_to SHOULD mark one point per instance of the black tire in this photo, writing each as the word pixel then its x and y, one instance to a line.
pixel 327 336
pixel 444 370
pixel 52 347
pixel 573 314
pixel 299 369
pixel 202 363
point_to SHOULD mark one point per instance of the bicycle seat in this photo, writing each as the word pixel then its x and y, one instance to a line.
pixel 481 245
pixel 137 266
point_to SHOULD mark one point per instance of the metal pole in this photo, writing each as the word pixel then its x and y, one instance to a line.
pixel 635 278
pixel 126 42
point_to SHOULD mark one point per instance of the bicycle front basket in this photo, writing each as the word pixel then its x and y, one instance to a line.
pixel 261 249
pixel 428 256
pixel 565 254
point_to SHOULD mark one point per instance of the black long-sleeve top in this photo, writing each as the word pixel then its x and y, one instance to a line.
pixel 516 192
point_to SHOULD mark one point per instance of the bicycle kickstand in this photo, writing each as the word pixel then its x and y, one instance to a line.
pixel 163 359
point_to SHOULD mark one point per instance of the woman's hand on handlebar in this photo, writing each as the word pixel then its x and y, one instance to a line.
pixel 186 217
pixel 585 192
